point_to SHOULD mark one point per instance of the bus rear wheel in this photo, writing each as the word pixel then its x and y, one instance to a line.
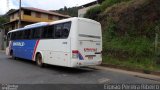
pixel 39 60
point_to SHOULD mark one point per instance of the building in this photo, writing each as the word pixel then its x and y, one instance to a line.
pixel 83 9
pixel 29 15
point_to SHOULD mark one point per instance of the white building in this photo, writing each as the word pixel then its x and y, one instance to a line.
pixel 83 9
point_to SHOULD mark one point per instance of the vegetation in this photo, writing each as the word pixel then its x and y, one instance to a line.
pixel 69 11
pixel 3 19
pixel 108 3
pixel 129 32
pixel 93 12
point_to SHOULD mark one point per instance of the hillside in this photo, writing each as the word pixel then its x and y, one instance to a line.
pixel 129 32
pixel 73 11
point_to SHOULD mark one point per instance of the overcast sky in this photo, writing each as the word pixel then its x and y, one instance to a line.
pixel 42 4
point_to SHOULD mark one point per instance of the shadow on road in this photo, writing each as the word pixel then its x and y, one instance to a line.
pixel 77 70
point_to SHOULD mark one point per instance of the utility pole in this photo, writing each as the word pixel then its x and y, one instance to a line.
pixel 19 23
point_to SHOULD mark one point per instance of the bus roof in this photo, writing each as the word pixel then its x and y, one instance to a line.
pixel 54 22
pixel 74 18
pixel 31 26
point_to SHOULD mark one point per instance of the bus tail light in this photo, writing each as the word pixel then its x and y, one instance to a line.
pixel 75 54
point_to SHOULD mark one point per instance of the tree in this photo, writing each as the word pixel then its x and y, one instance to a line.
pixel 3 19
pixel 73 11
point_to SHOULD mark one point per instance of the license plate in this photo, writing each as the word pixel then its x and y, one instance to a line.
pixel 90 57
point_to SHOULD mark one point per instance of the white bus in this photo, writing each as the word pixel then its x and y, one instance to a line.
pixel 72 42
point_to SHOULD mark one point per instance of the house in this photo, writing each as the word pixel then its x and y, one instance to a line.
pixel 29 15
pixel 83 8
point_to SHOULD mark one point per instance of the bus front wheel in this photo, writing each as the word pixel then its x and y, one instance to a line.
pixel 39 60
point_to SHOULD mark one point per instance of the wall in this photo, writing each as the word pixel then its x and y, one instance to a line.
pixel 1 40
pixel 82 11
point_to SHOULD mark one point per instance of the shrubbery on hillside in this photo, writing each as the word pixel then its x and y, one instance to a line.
pixel 95 11
pixel 129 31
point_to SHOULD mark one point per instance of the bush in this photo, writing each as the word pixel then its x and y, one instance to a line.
pixel 108 3
pixel 93 12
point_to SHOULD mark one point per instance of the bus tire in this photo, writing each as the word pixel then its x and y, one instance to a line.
pixel 39 60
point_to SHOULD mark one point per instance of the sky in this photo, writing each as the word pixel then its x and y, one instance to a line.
pixel 42 4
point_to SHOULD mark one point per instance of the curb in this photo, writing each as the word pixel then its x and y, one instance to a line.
pixel 131 69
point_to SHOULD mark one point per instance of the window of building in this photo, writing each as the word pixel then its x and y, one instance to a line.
pixel 50 17
pixel 27 12
pixel 12 16
pixel 38 15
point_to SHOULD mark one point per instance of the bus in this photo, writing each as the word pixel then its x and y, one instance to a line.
pixel 72 42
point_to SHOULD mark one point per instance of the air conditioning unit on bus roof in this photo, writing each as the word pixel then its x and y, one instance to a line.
pixel 36 25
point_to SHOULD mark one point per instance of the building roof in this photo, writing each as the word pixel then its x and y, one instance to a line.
pixel 89 4
pixel 40 10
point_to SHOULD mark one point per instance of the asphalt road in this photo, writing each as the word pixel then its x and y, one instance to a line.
pixel 26 72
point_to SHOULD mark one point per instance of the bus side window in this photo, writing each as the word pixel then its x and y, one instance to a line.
pixel 13 36
pixel 58 30
pixel 62 30
pixel 27 34
pixel 20 35
pixel 36 33
pixel 16 35
pixel 66 30
pixel 44 32
pixel 50 32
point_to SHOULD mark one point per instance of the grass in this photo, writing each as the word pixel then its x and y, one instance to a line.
pixel 143 64
pixel 135 52
pixel 136 46
pixel 129 51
